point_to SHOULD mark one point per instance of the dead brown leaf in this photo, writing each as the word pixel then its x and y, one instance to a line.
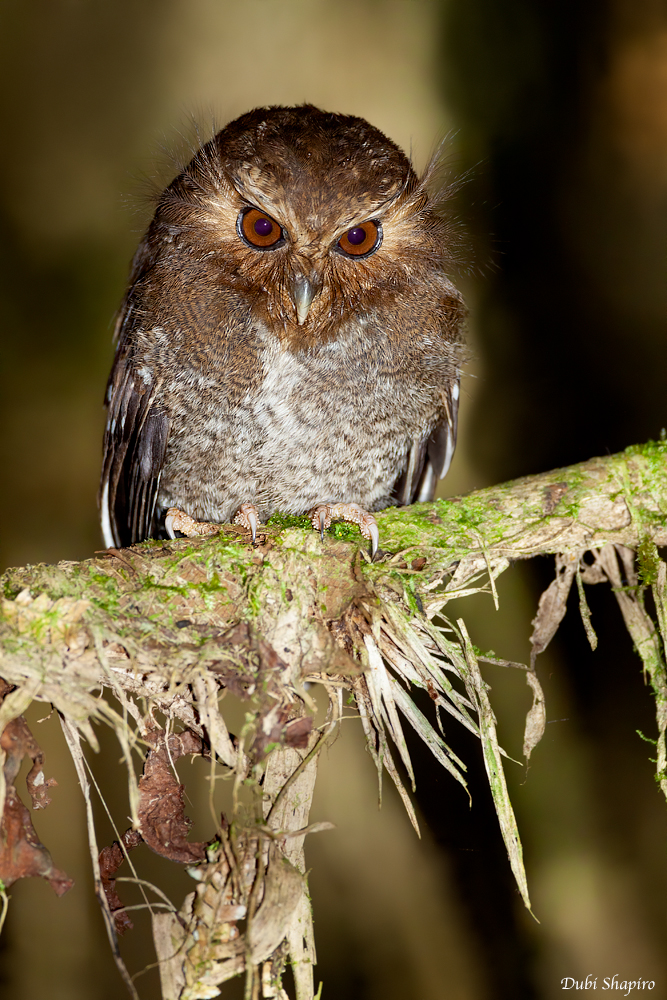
pixel 552 605
pixel 22 854
pixel 536 719
pixel 18 742
pixel 111 858
pixel 162 820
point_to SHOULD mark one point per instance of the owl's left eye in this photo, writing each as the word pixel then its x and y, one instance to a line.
pixel 361 241
pixel 259 230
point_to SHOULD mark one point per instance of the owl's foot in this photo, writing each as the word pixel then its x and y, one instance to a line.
pixel 178 520
pixel 322 516
pixel 248 517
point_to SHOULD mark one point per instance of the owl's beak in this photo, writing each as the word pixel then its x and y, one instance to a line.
pixel 303 293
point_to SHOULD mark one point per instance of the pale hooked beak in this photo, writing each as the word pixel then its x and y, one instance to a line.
pixel 303 293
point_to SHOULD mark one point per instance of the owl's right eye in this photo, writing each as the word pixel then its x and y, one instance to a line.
pixel 259 230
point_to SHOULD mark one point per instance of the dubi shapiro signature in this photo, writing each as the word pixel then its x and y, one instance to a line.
pixel 608 983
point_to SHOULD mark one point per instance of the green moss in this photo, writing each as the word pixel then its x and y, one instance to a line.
pixel 649 562
pixel 163 590
pixel 412 598
pixel 106 594
pixel 344 532
pixel 10 590
pixel 650 449
pixel 468 514
pixel 281 521
pixel 150 543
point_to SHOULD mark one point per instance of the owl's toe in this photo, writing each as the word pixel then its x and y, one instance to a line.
pixel 322 516
pixel 177 520
pixel 248 517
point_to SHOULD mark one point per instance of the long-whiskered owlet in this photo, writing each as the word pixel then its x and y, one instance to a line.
pixel 289 341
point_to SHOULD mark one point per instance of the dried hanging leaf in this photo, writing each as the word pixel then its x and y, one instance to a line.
pixel 13 702
pixel 18 742
pixel 660 597
pixel 111 858
pixel 646 640
pixel 73 740
pixel 375 737
pixel 207 694
pixel 431 671
pixel 586 612
pixel 388 762
pixel 433 740
pixel 169 937
pixel 22 855
pixel 162 820
pixel 494 769
pixel 216 951
pixel 536 719
pixel 552 605
pixel 384 707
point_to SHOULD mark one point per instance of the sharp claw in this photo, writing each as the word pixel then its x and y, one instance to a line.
pixel 322 524
pixel 252 519
pixel 168 523
pixel 375 538
pixel 247 517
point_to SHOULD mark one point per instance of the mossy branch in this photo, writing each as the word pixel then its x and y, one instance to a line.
pixel 170 627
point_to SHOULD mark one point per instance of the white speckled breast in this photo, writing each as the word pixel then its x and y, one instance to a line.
pixel 292 441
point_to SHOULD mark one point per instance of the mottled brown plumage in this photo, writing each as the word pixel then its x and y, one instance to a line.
pixel 289 337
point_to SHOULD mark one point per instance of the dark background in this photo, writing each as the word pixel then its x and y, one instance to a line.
pixel 560 112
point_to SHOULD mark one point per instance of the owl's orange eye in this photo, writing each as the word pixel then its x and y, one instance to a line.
pixel 361 241
pixel 259 229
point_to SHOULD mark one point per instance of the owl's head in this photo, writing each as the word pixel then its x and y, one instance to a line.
pixel 313 216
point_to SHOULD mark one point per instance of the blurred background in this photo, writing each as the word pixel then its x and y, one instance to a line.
pixel 559 110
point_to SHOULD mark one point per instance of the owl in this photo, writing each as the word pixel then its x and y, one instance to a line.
pixel 289 341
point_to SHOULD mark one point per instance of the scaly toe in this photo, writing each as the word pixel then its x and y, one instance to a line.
pixel 322 516
pixel 248 517
pixel 177 520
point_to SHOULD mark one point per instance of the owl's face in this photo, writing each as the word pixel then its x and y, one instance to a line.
pixel 315 218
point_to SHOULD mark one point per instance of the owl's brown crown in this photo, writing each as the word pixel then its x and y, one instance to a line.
pixel 316 158
pixel 293 144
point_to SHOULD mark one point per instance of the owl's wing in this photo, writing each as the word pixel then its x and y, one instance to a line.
pixel 135 437
pixel 135 442
pixel 429 460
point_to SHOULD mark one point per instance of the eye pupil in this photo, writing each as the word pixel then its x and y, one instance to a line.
pixel 259 230
pixel 361 241
pixel 356 236
pixel 263 227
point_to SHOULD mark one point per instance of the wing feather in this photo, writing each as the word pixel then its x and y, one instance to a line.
pixel 135 438
pixel 135 443
pixel 429 461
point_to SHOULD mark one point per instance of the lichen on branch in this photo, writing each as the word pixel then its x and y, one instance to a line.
pixel 172 627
